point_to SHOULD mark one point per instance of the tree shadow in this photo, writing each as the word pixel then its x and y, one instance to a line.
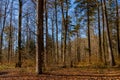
pixel 3 73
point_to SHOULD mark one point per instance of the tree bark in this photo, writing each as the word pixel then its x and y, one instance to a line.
pixel 46 24
pixel 63 41
pixel 88 25
pixel 40 38
pixel 104 41
pixel 53 43
pixel 99 29
pixel 10 35
pixel 111 56
pixel 3 26
pixel 78 48
pixel 56 21
pixel 117 24
pixel 19 34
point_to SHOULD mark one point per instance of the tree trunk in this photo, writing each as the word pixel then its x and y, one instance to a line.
pixel 63 40
pixel 40 38
pixel 3 26
pixel 53 46
pixel 0 32
pixel 46 24
pixel 65 35
pixel 19 34
pixel 88 25
pixel 117 24
pixel 62 54
pixel 78 48
pixel 111 56
pixel 10 35
pixel 69 50
pixel 104 41
pixel 99 29
pixel 56 21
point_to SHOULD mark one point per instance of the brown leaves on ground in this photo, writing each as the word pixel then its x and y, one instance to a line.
pixel 62 74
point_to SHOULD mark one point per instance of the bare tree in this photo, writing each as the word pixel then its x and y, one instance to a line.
pixel 3 26
pixel 10 34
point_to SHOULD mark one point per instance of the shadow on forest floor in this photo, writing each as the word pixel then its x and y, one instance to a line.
pixel 62 74
pixel 3 73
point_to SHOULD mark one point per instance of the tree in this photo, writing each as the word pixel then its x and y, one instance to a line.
pixel 86 6
pixel 19 33
pixel 99 29
pixel 64 12
pixel 1 14
pixel 78 46
pixel 46 24
pixel 40 39
pixel 10 34
pixel 3 26
pixel 103 25
pixel 63 34
pixel 111 56
pixel 88 25
pixel 117 24
pixel 53 37
pixel 56 22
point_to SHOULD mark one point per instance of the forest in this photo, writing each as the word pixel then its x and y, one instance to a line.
pixel 60 39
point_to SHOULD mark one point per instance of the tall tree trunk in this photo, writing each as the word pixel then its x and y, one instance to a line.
pixel 78 48
pixel 62 54
pixel 63 41
pixel 111 56
pixel 88 25
pixel 53 46
pixel 78 40
pixel 2 31
pixel 56 21
pixel 103 24
pixel 65 35
pixel 40 38
pixel 27 33
pixel 69 48
pixel 99 29
pixel 19 34
pixel 65 24
pixel 117 24
pixel 46 24
pixel 10 35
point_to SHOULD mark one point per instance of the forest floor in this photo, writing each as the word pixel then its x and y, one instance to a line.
pixel 11 73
